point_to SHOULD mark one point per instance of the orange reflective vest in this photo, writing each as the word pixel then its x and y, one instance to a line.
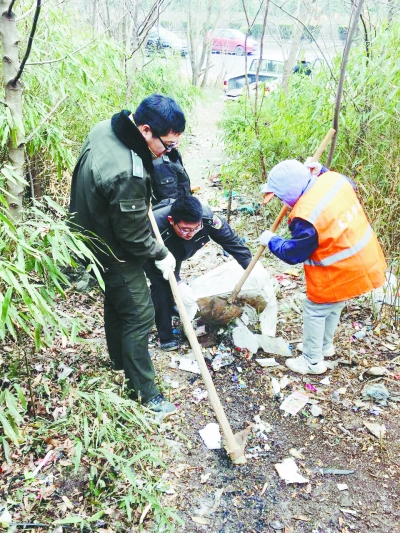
pixel 349 260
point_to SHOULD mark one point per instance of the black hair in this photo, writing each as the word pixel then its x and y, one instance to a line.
pixel 186 209
pixel 161 113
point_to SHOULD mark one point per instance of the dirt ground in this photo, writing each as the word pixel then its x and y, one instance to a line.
pixel 211 494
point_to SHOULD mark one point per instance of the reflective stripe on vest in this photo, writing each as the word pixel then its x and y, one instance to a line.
pixel 326 199
pixel 344 254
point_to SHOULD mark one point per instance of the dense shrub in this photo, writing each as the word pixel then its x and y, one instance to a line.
pixel 291 125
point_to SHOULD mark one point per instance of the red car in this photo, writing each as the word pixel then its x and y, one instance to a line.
pixel 233 42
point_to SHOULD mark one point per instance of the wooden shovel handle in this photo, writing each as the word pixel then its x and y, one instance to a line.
pixel 277 221
pixel 235 451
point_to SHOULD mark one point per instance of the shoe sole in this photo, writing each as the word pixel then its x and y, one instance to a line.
pixel 171 349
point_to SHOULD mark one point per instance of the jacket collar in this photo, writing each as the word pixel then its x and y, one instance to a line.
pixel 129 135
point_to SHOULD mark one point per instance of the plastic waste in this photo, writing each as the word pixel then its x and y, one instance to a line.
pixel 316 410
pixel 268 362
pixel 389 294
pixel 244 338
pixel 274 345
pixel 378 391
pixel 211 436
pixel 288 471
pixel 222 357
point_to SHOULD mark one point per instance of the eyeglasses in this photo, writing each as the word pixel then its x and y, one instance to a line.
pixel 189 231
pixel 169 146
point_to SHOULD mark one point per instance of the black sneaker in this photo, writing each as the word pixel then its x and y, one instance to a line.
pixel 169 346
pixel 175 312
pixel 159 404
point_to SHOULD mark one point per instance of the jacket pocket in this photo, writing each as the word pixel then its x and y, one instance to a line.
pixel 136 205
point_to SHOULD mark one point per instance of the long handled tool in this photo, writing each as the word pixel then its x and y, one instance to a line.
pixel 276 223
pixel 234 444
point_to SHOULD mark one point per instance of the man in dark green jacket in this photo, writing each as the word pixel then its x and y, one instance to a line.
pixel 110 196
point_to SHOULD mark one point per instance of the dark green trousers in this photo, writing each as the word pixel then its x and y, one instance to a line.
pixel 128 318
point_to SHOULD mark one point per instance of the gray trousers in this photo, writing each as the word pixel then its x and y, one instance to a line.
pixel 319 325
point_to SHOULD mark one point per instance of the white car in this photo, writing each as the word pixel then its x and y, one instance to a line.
pixel 270 74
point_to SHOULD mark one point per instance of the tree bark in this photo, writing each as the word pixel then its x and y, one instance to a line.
pixel 13 100
pixel 303 14
pixel 346 51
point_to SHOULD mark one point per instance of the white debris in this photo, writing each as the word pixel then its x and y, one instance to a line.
pixel 211 436
pixel 244 338
pixel 288 471
pixel 274 345
pixel 293 403
pixel 316 410
pixel 267 362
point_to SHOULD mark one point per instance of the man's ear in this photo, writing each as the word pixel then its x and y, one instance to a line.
pixel 170 220
pixel 145 130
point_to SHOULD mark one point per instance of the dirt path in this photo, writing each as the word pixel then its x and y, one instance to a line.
pixel 212 495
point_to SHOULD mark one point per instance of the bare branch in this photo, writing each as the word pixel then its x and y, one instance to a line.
pixel 46 118
pixel 9 10
pixel 13 82
pixel 78 49
pixel 346 52
pixel 309 33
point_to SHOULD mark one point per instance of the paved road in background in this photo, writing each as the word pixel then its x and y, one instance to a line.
pixel 226 65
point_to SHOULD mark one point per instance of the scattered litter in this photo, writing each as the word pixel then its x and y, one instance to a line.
pixel 333 471
pixel 184 363
pixel 349 511
pixel 59 412
pixel 293 403
pixel 205 477
pixel 316 410
pixel 326 381
pixel 222 357
pixel 65 371
pixel 276 388
pixel 296 454
pixel 360 334
pixel 288 471
pixel 277 525
pixel 274 345
pixel 378 391
pixel 211 436
pixel 284 382
pixel 377 371
pixel 311 388
pixel 5 517
pixel 342 486
pixel 208 508
pixel 377 430
pixel 267 362
pixel 200 520
pixel 244 338
pixel 199 394
pixel 251 313
pixel 170 382
pixel 260 427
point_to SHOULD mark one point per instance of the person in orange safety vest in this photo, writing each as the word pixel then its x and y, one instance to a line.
pixel 331 235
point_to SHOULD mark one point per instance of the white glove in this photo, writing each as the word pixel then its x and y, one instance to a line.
pixel 187 294
pixel 189 299
pixel 265 237
pixel 314 167
pixel 166 264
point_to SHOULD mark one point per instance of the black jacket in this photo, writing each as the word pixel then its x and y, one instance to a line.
pixel 214 228
pixel 169 177
pixel 111 190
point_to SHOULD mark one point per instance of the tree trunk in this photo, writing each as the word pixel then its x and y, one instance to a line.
pixel 303 14
pixel 13 100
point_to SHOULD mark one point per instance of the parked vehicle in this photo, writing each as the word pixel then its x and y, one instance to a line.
pixel 161 39
pixel 270 73
pixel 233 42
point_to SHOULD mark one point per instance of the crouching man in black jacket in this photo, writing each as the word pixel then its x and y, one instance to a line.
pixel 186 226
